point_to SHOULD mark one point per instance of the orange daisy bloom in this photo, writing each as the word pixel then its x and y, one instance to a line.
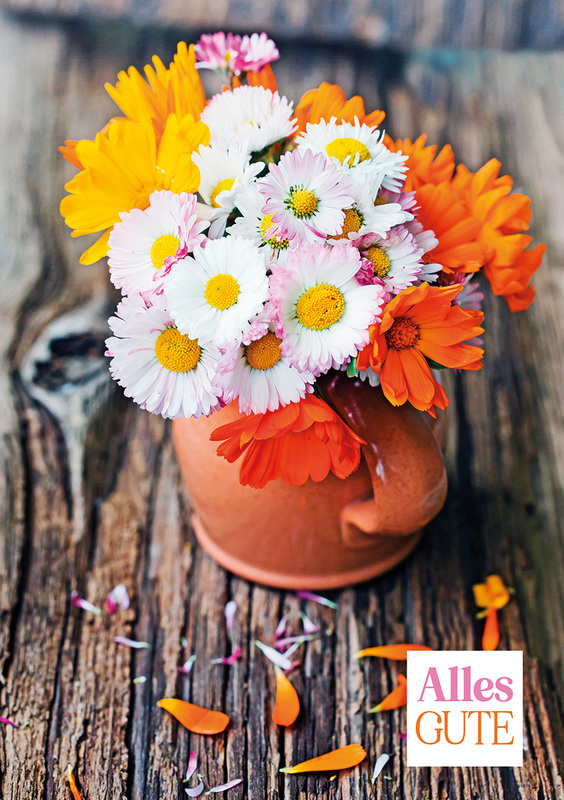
pixel 421 323
pixel 423 164
pixel 300 441
pixel 329 101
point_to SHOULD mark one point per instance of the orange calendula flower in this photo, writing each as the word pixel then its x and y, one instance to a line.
pixel 329 101
pixel 395 652
pixel 423 163
pixel 342 758
pixel 287 704
pixel 195 718
pixel 299 441
pixel 491 596
pixel 396 699
pixel 122 168
pixel 421 323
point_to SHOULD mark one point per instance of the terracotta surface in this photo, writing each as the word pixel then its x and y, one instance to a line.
pixel 320 535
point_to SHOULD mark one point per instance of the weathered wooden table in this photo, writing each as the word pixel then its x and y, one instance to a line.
pixel 91 497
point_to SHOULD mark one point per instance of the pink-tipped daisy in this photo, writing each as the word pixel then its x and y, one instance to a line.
pixel 306 195
pixel 214 294
pixel 322 313
pixel 393 259
pixel 141 244
pixel 256 52
pixel 256 226
pixel 260 376
pixel 161 369
pixel 250 114
pixel 367 216
pixel 218 51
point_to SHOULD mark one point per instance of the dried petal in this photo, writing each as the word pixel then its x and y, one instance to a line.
pixel 402 736
pixel 287 705
pixel 274 656
pixel 83 604
pixel 72 784
pixel 229 660
pixel 230 611
pixel 396 652
pixel 6 721
pixel 490 638
pixel 117 597
pixel 309 626
pixel 379 766
pixel 396 699
pixel 192 765
pixel 281 628
pixel 131 643
pixel 196 791
pixel 305 637
pixel 195 718
pixel 225 786
pixel 140 679
pixel 186 668
pixel 316 598
pixel 343 758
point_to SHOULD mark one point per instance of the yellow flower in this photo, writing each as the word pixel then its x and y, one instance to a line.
pixel 493 594
pixel 123 166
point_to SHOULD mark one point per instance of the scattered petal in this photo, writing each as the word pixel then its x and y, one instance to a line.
pixel 72 784
pixel 291 650
pixel 388 778
pixel 131 643
pixel 83 604
pixel 402 735
pixel 287 705
pixel 281 628
pixel 225 786
pixel 309 626
pixel 186 668
pixel 333 778
pixel 6 721
pixel 229 660
pixel 379 766
pixel 396 699
pixel 196 791
pixel 289 640
pixel 192 765
pixel 491 594
pixel 316 598
pixel 140 679
pixel 184 641
pixel 117 597
pixel 396 652
pixel 230 611
pixel 195 718
pixel 343 758
pixel 490 638
pixel 274 656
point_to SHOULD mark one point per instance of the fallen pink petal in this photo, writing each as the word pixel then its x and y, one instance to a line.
pixel 117 598
pixel 6 721
pixel 225 786
pixel 229 660
pixel 308 625
pixel 186 668
pixel 379 766
pixel 281 627
pixel 83 604
pixel 291 640
pixel 131 643
pixel 317 598
pixel 230 611
pixel 196 791
pixel 274 656
pixel 291 650
pixel 192 765
pixel 402 735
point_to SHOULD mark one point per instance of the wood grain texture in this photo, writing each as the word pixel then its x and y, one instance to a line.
pixel 91 494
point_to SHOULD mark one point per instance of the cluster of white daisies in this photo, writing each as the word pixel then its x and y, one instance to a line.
pixel 274 273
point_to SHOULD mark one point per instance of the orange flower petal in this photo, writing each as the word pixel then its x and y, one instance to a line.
pixel 396 699
pixel 72 784
pixel 195 718
pixel 287 705
pixel 490 639
pixel 343 758
pixel 397 652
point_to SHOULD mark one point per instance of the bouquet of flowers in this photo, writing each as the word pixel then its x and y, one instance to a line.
pixel 258 246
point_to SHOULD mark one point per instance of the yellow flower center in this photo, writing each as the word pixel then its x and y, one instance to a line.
pixel 379 260
pixel 274 241
pixel 264 353
pixel 403 334
pixel 222 291
pixel 163 247
pixel 345 148
pixel 176 351
pixel 352 224
pixel 225 184
pixel 320 307
pixel 302 202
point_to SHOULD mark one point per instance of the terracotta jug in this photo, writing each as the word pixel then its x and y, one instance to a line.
pixel 328 534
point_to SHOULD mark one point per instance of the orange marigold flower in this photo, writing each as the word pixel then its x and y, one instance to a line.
pixel 424 165
pixel 299 441
pixel 421 323
pixel 329 101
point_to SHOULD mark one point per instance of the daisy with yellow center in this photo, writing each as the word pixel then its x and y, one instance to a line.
pixel 253 224
pixel 214 294
pixel 322 312
pixel 305 194
pixel 161 369
pixel 394 259
pixel 144 242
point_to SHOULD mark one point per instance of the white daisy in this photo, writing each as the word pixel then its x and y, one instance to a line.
pixel 223 172
pixel 367 216
pixel 249 113
pixel 305 194
pixel 260 376
pixel 214 294
pixel 322 312
pixel 254 225
pixel 359 147
pixel 162 370
pixel 141 244
pixel 393 259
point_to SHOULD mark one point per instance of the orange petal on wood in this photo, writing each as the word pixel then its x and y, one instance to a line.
pixel 397 652
pixel 343 758
pixel 72 784
pixel 195 718
pixel 287 705
pixel 490 639
pixel 396 699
